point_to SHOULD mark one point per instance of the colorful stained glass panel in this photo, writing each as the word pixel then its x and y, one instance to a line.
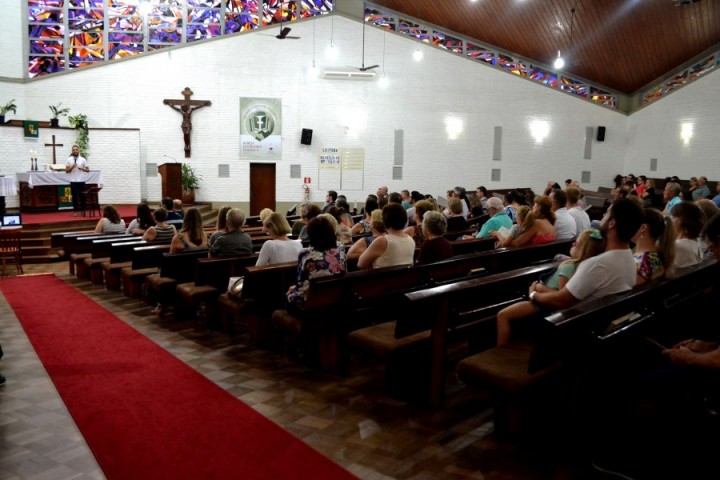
pixel 84 39
pixel 165 35
pixel 542 76
pixel 379 20
pixel 81 63
pixel 511 65
pixel 204 3
pixel 204 16
pixel 45 31
pixel 575 87
pixel 240 22
pixel 479 53
pixel 122 50
pixel 43 15
pixel 239 6
pixel 447 42
pixel 85 20
pixel 121 37
pixel 702 68
pixel 134 24
pixel 87 3
pixel 275 11
pixel 86 54
pixel 413 29
pixel 202 32
pixel 39 66
pixel 123 10
pixel 46 46
pixel 46 3
pixel 317 5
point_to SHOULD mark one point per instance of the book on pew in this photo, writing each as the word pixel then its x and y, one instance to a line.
pixel 621 322
pixel 503 232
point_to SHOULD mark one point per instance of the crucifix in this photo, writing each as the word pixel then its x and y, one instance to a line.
pixel 53 144
pixel 186 107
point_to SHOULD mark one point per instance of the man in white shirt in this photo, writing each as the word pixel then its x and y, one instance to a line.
pixel 582 219
pixel 611 272
pixel 75 167
pixel 565 226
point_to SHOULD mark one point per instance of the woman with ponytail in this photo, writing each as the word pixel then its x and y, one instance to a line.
pixel 654 250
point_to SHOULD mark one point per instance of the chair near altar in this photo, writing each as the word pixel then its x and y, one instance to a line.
pixel 10 247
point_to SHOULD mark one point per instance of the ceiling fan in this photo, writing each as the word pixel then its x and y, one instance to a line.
pixel 284 32
pixel 363 68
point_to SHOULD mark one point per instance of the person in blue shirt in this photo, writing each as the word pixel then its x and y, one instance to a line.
pixel 498 218
pixel 672 195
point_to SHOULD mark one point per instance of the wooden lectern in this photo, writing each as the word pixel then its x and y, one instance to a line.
pixel 171 179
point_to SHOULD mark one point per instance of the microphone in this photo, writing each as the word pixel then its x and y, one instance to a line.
pixel 168 156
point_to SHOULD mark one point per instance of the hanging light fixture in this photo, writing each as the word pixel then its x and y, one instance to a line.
pixel 383 82
pixel 332 52
pixel 559 62
pixel 417 54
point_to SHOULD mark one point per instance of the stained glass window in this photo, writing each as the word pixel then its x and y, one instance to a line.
pixel 480 53
pixel 413 29
pixel 379 19
pixel 575 87
pixel 511 65
pixel 540 75
pixel 276 11
pixel 700 69
pixel 447 42
pixel 311 8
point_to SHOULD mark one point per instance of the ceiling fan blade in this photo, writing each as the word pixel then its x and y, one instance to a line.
pixel 365 69
pixel 283 33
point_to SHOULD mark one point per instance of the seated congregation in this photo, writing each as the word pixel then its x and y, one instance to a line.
pixel 515 293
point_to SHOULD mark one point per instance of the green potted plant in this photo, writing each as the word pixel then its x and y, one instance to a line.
pixel 58 111
pixel 190 181
pixel 80 123
pixel 8 107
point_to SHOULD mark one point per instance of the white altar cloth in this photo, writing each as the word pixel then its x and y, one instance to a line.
pixel 36 179
pixel 8 186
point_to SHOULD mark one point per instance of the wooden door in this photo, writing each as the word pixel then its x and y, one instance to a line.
pixel 262 187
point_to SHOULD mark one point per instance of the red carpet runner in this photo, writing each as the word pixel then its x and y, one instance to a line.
pixel 144 413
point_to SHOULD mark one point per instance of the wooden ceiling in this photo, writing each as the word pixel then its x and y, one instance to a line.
pixel 621 44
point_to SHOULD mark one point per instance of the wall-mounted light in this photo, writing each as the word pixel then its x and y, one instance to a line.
pixel 539 129
pixel 454 127
pixel 417 54
pixel 686 132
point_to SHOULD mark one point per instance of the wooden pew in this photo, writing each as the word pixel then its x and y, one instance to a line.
pixel 101 250
pixel 212 276
pixel 461 247
pixel 57 239
pixel 588 333
pixel 120 256
pixel 83 247
pixel 414 345
pixel 174 269
pixel 263 291
pixel 145 261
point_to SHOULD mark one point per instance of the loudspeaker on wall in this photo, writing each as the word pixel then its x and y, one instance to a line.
pixel 601 134
pixel 306 137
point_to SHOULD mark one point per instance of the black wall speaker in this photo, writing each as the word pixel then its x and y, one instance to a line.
pixel 601 134
pixel 306 137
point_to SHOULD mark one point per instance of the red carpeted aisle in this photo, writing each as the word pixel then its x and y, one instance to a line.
pixel 144 413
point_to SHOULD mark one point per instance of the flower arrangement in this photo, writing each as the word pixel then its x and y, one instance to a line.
pixel 59 111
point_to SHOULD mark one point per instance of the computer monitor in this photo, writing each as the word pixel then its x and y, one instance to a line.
pixel 12 220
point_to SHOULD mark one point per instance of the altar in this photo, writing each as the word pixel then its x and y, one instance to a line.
pixel 45 191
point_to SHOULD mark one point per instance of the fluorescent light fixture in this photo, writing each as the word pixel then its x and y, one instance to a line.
pixel 340 74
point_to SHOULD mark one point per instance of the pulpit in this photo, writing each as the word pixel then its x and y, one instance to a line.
pixel 171 174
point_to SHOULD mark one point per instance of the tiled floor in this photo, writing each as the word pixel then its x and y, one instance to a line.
pixel 349 419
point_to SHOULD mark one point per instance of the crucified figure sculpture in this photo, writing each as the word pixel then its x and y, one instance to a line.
pixel 186 107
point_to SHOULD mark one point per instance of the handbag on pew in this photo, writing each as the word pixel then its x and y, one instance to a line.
pixel 235 286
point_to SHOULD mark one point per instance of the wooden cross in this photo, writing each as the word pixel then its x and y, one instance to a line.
pixel 53 144
pixel 186 107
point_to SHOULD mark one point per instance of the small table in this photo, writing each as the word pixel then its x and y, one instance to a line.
pixel 7 188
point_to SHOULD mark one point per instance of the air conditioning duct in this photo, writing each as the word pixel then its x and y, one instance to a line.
pixel 338 74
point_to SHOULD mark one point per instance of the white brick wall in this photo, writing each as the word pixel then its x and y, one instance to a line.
pixel 654 132
pixel 129 94
pixel 12 64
